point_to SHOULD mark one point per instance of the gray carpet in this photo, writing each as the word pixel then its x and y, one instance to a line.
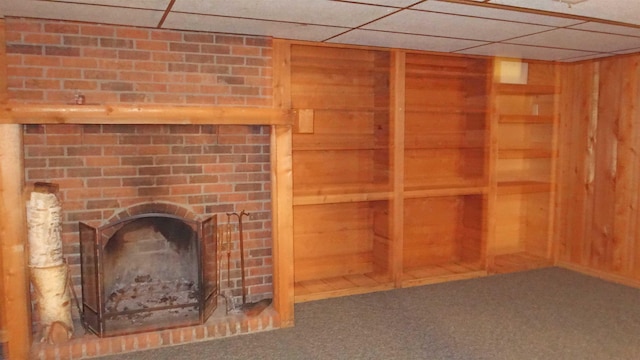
pixel 541 314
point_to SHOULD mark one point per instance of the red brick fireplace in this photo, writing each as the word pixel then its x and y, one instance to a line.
pixel 103 170
pixel 106 171
pixel 111 155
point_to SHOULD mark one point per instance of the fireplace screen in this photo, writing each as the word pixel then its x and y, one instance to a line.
pixel 148 272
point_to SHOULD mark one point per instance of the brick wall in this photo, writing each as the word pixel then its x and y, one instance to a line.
pixel 103 169
pixel 48 61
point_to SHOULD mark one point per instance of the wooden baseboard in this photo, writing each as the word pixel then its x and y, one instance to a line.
pixel 619 279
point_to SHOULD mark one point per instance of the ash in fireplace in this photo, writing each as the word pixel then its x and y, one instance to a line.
pixel 146 299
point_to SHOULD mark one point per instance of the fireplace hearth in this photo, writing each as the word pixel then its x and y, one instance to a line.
pixel 149 271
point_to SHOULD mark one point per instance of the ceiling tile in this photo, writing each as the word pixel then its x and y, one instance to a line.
pixel 587 57
pixel 628 51
pixel 82 12
pixel 607 28
pixel 493 13
pixel 453 26
pixel 318 12
pixel 580 40
pixel 619 10
pixel 524 52
pixel 403 41
pixel 209 23
pixel 392 3
pixel 147 4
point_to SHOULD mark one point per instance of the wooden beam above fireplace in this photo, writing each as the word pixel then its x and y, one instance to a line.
pixel 142 114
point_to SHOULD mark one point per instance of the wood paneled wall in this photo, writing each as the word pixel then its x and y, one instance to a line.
pixel 597 212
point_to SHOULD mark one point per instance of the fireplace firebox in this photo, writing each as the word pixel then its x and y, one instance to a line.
pixel 148 271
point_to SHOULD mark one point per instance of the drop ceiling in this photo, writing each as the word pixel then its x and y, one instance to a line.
pixel 560 30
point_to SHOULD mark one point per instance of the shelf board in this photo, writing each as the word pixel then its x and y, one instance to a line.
pixel 464 140
pixel 520 261
pixel 340 286
pixel 441 273
pixel 371 192
pixel 341 194
pixel 525 89
pixel 448 110
pixel 344 108
pixel 431 191
pixel 323 142
pixel 525 119
pixel 522 187
pixel 524 154
pixel 440 72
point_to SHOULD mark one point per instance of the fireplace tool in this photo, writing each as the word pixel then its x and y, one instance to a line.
pixel 228 247
pixel 224 245
pixel 222 231
pixel 250 309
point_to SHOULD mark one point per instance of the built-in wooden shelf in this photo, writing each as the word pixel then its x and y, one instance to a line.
pixel 346 107
pixel 340 198
pixel 402 174
pixel 444 72
pixel 525 89
pixel 517 262
pixel 522 187
pixel 448 110
pixel 461 140
pixel 341 194
pixel 430 191
pixel 524 153
pixel 442 272
pixel 328 142
pixel 341 286
pixel 526 119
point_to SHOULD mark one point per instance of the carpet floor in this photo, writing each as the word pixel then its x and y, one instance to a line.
pixel 549 313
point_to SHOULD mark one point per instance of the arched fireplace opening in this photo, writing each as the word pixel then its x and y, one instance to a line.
pixel 148 271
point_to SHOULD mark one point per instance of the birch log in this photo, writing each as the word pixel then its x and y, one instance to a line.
pixel 49 273
pixel 43 219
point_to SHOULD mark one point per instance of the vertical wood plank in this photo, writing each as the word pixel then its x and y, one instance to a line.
pixel 281 74
pixel 553 177
pixel 484 227
pixel 626 169
pixel 590 167
pixel 397 99
pixel 12 239
pixel 282 198
pixel 634 115
pixel 606 150
pixel 579 119
pixel 492 150
pixel 282 190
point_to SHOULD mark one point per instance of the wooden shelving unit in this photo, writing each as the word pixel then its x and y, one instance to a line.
pixel 412 168
pixel 524 122
pixel 341 178
pixel 446 149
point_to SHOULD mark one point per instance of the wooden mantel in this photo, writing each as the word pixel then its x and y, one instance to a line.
pixel 142 114
pixel 14 302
